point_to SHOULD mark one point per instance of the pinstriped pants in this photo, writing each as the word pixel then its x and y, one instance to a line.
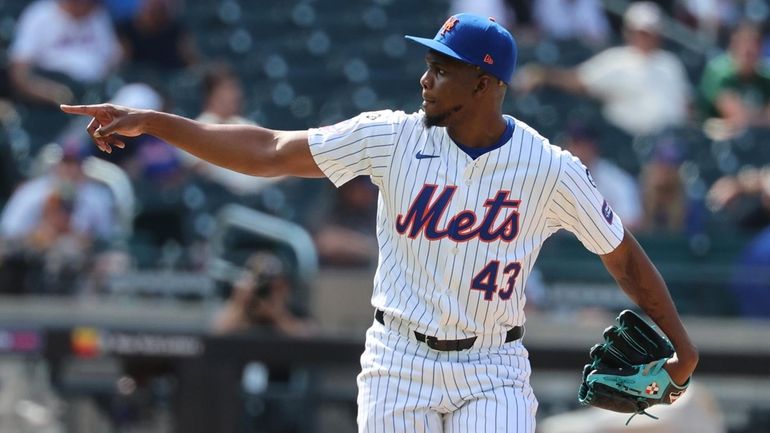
pixel 405 386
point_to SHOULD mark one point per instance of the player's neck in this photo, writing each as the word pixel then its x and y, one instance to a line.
pixel 478 132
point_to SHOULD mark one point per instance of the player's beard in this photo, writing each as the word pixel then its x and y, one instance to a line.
pixel 439 119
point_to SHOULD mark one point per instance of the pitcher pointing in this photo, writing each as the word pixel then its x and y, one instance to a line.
pixel 467 197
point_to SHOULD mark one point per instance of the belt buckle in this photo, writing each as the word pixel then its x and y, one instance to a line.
pixel 432 342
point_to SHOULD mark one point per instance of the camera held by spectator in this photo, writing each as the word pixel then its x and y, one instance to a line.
pixel 261 299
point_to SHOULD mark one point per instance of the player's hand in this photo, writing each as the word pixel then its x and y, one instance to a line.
pixel 110 121
pixel 681 366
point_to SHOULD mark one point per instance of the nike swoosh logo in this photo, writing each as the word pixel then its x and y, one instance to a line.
pixel 420 155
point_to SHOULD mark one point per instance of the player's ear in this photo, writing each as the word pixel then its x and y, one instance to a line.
pixel 483 83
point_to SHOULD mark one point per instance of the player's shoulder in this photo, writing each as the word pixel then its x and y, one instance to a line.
pixel 385 117
pixel 393 117
pixel 529 134
pixel 549 150
pixel 365 123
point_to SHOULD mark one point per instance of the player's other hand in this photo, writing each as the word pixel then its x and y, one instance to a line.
pixel 109 122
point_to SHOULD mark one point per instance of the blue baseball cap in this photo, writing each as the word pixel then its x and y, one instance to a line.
pixel 477 41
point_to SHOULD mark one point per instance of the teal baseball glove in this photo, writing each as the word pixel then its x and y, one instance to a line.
pixel 626 372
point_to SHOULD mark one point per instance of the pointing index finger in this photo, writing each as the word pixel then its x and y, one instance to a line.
pixel 88 110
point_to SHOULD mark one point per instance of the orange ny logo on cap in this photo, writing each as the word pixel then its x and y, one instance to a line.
pixel 448 25
pixel 488 59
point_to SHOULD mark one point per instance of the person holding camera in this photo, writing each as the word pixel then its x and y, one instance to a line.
pixel 261 299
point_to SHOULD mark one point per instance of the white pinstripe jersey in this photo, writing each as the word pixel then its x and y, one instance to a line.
pixel 458 237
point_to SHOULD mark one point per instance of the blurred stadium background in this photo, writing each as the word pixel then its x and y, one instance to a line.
pixel 145 327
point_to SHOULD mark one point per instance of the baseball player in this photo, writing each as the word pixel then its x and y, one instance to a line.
pixel 467 197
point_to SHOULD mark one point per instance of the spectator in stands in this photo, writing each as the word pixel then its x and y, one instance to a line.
pixel 51 226
pixel 62 51
pixel 346 236
pixel 751 278
pixel 664 198
pixel 121 10
pixel 580 20
pixel 149 159
pixel 154 167
pixel 223 96
pixel 223 104
pixel 158 175
pixel 735 86
pixel 9 170
pixel 155 38
pixel 261 298
pixel 708 17
pixel 260 301
pixel 59 43
pixel 136 95
pixel 616 185
pixel 643 88
pixel 744 198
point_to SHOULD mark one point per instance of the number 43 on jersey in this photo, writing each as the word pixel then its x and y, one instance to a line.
pixel 486 280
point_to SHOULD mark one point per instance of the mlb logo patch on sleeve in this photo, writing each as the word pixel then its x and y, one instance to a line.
pixel 607 212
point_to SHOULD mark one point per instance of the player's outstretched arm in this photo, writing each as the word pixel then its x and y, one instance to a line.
pixel 244 148
pixel 639 278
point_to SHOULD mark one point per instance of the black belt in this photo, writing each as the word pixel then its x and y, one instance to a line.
pixel 449 345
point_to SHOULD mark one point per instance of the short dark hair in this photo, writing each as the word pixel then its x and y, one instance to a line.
pixel 216 74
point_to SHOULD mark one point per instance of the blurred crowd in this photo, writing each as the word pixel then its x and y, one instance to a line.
pixel 670 80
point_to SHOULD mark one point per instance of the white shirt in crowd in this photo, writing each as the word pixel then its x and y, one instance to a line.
pixel 49 38
pixel 642 93
pixel 92 213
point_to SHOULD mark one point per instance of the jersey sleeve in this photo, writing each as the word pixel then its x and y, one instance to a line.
pixel 362 145
pixel 580 208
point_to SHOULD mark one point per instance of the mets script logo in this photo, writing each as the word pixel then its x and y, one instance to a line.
pixel 425 214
